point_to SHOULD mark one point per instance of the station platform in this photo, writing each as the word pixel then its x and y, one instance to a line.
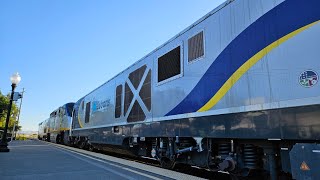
pixel 35 159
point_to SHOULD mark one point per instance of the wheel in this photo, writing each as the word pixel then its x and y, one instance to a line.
pixel 82 145
pixel 92 149
pixel 233 177
pixel 167 163
pixel 58 140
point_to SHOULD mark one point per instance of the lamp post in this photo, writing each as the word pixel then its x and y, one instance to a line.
pixel 15 79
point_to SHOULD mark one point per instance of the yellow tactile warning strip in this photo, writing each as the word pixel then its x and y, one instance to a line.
pixel 140 166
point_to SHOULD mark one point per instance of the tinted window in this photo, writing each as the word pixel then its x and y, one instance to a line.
pixel 118 101
pixel 69 108
pixel 87 115
pixel 145 92
pixel 136 76
pixel 128 96
pixel 169 64
pixel 136 113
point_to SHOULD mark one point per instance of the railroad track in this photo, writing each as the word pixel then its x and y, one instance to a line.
pixel 180 168
pixel 185 169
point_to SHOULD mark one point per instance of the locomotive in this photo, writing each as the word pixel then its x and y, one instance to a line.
pixel 57 127
pixel 236 91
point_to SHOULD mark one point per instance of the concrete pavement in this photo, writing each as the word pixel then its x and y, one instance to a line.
pixel 39 160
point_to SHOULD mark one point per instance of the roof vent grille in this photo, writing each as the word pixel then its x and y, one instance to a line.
pixel 195 47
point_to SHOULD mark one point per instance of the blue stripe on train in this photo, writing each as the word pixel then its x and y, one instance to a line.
pixel 278 22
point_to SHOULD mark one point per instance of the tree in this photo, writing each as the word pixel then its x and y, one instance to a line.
pixel 4 103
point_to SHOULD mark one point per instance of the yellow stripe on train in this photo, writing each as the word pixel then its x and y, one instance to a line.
pixel 247 65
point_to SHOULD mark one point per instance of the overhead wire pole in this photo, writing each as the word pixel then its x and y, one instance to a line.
pixel 14 125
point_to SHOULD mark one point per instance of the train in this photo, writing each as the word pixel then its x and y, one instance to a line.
pixel 57 127
pixel 237 91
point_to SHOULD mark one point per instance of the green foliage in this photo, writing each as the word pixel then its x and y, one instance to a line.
pixel 4 103
pixel 21 138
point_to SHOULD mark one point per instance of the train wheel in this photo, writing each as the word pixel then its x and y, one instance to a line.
pixel 91 148
pixel 82 145
pixel 58 139
pixel 167 163
pixel 233 177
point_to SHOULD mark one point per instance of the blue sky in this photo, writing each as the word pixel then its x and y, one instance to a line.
pixel 65 49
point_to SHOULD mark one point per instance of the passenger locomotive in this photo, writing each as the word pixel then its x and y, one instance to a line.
pixel 236 91
pixel 57 127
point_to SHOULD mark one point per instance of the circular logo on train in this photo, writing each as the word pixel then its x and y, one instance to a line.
pixel 308 78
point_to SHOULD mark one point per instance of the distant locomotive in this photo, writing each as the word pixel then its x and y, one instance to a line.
pixel 57 127
pixel 236 91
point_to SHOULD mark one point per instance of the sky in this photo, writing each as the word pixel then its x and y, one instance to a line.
pixel 65 49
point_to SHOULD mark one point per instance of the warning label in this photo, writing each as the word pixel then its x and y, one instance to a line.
pixel 304 166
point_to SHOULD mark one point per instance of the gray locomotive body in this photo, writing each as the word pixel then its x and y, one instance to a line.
pixel 57 127
pixel 232 92
pixel 43 130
